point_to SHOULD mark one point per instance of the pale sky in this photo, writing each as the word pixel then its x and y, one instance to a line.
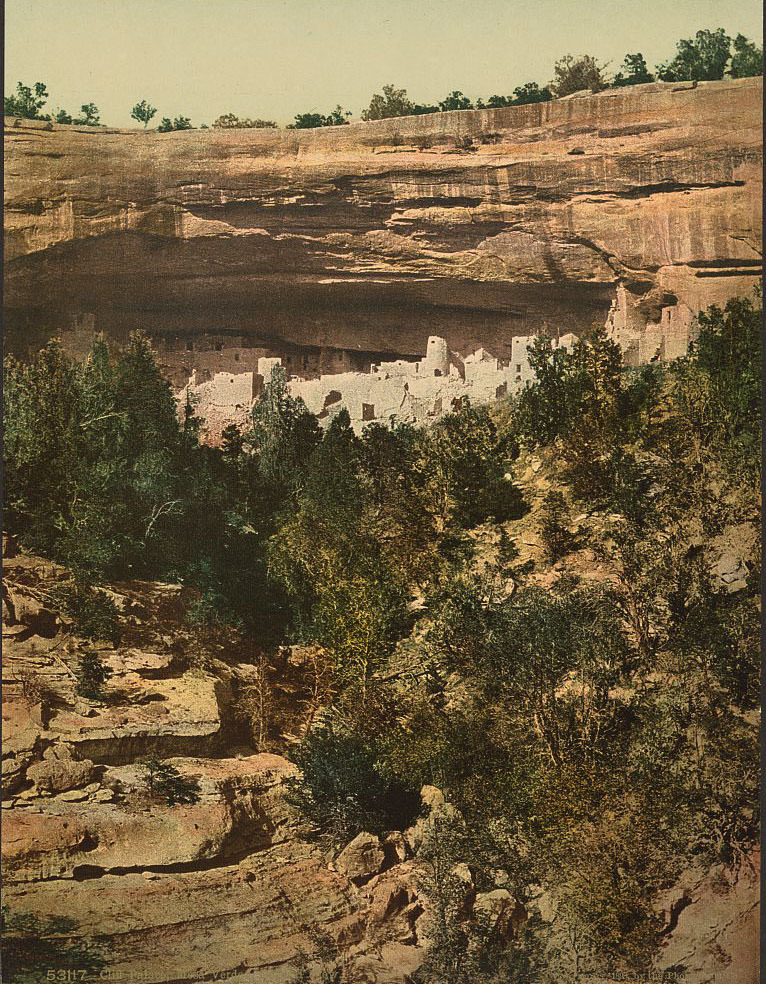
pixel 275 58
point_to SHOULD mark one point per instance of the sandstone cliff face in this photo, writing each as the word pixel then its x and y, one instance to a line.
pixel 351 242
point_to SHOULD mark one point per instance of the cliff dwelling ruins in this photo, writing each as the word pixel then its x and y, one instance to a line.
pixel 344 252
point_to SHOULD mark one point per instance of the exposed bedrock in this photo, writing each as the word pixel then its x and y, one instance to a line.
pixel 368 238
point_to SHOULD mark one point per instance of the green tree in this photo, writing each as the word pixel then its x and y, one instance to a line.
pixel 338 116
pixel 545 407
pixel 596 422
pixel 455 100
pixel 308 121
pixel 397 474
pixel 393 102
pixel 343 592
pixel 717 387
pixel 165 781
pixel 39 397
pixel 747 59
pixel 576 74
pixel 93 457
pixel 27 102
pixel 345 788
pixel 143 112
pixel 634 71
pixel 469 465
pixel 498 102
pixel 530 92
pixel 92 673
pixel 702 59
pixel 282 436
pixel 89 115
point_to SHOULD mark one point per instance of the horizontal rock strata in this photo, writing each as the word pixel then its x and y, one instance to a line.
pixel 337 247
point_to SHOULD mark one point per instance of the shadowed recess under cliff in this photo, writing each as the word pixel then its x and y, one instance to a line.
pixel 364 240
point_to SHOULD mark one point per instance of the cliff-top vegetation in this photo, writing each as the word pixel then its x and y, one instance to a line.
pixel 708 56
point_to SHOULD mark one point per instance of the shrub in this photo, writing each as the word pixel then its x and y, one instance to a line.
pixel 575 74
pixel 344 788
pixel 92 612
pixel 165 781
pixel 228 121
pixel 92 674
pixel 179 123
pixel 554 529
pixel 34 688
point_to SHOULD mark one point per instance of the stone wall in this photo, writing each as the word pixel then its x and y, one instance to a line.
pixel 421 391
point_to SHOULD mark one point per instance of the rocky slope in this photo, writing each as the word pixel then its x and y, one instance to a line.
pixel 338 245
pixel 222 886
pixel 230 885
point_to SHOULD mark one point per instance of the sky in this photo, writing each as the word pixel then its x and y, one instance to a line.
pixel 275 58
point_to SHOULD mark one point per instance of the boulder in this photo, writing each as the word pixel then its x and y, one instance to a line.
pixel 60 770
pixel 394 848
pixel 463 874
pixel 499 913
pixel 74 796
pixel 24 609
pixel 431 797
pixel 361 859
pixel 420 830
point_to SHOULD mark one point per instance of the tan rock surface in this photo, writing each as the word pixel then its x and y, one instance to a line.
pixel 60 770
pixel 222 886
pixel 361 859
pixel 471 225
pixel 712 922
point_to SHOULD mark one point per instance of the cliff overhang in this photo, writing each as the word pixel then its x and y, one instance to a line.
pixel 344 245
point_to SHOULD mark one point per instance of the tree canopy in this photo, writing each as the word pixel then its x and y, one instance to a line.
pixel 143 112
